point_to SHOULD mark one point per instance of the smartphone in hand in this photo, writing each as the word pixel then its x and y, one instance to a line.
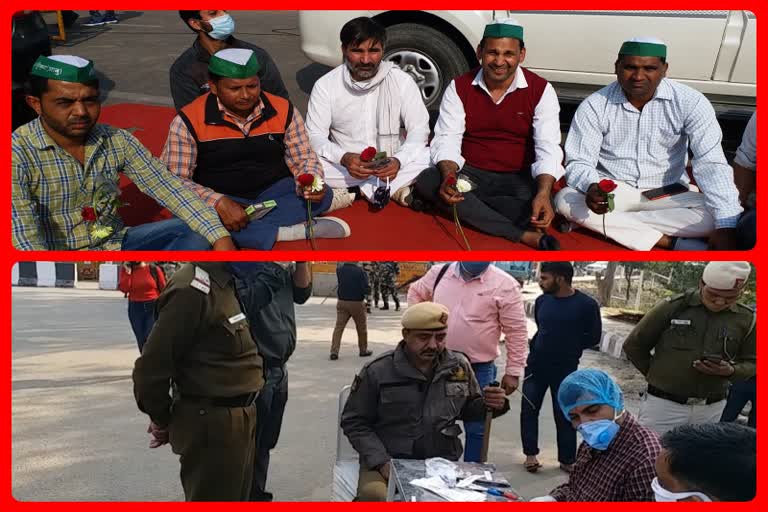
pixel 666 191
pixel 259 210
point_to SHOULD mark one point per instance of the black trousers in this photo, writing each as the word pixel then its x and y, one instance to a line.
pixel 738 396
pixel 270 407
pixel 535 387
pixel 499 206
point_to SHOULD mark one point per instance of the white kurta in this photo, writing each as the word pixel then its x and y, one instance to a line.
pixel 342 121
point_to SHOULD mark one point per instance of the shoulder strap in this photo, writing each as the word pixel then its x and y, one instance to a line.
pixel 439 277
pixel 154 270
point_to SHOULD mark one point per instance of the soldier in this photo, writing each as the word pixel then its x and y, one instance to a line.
pixel 373 268
pixel 201 345
pixel 405 403
pixel 389 270
pixel 702 340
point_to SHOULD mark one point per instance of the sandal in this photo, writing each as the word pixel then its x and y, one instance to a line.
pixel 532 467
pixel 568 468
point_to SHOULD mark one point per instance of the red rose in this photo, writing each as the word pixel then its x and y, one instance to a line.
pixel 607 186
pixel 306 180
pixel 88 213
pixel 368 154
pixel 451 180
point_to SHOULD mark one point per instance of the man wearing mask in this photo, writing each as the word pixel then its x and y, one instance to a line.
pixel 691 346
pixel 616 460
pixel 707 462
pixel 268 292
pixel 405 403
pixel 567 322
pixel 214 29
pixel 361 104
pixel 485 303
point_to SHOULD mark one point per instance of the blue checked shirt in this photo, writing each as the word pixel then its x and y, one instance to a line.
pixel 50 188
pixel 610 138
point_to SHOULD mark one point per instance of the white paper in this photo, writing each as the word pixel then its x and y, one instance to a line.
pixel 436 485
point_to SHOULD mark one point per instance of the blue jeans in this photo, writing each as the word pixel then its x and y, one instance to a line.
pixel 142 318
pixel 738 396
pixel 164 235
pixel 290 210
pixel 537 382
pixel 485 374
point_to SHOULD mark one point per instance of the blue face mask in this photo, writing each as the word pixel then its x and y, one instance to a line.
pixel 474 268
pixel 221 27
pixel 599 434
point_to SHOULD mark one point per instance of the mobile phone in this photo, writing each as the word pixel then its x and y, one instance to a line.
pixel 380 164
pixel 666 191
pixel 258 210
pixel 713 358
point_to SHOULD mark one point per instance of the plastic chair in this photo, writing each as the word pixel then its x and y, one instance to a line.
pixel 347 466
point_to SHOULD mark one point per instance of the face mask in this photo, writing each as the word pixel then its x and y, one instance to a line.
pixel 599 434
pixel 221 27
pixel 474 268
pixel 662 494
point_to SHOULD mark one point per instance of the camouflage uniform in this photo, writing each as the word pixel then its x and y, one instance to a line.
pixel 372 268
pixel 388 277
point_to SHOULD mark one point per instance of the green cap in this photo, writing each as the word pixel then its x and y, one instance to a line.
pixel 644 47
pixel 504 27
pixel 66 68
pixel 234 63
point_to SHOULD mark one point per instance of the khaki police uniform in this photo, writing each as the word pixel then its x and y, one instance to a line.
pixel 665 343
pixel 202 343
pixel 395 411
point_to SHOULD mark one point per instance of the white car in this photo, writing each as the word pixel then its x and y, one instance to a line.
pixel 597 267
pixel 712 51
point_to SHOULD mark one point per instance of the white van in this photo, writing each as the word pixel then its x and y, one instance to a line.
pixel 713 51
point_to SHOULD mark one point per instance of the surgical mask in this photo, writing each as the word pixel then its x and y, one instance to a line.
pixel 599 433
pixel 661 494
pixel 474 268
pixel 221 27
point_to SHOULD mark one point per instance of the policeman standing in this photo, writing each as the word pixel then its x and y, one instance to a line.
pixel 267 292
pixel 373 269
pixel 691 346
pixel 405 403
pixel 201 344
pixel 389 270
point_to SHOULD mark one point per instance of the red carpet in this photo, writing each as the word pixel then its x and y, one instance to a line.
pixel 394 228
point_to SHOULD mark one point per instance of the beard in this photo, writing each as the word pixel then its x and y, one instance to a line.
pixel 362 71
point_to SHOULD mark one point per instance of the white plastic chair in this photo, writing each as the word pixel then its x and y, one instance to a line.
pixel 347 466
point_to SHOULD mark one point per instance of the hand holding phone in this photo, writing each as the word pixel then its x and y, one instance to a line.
pixel 666 191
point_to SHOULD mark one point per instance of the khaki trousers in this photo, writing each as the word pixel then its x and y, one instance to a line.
pixel 356 310
pixel 371 486
pixel 216 448
pixel 662 415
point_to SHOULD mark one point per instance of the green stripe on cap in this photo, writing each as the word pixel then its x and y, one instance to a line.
pixel 503 30
pixel 46 67
pixel 231 69
pixel 643 49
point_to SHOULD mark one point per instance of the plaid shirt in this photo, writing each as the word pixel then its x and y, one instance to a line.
pixel 50 188
pixel 623 472
pixel 180 151
pixel 610 138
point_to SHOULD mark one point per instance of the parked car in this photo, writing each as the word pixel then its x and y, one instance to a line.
pixel 29 40
pixel 712 51
pixel 597 267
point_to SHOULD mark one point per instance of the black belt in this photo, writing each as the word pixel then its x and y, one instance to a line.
pixel 684 400
pixel 245 400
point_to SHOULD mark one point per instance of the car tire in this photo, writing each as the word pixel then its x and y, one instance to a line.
pixel 431 56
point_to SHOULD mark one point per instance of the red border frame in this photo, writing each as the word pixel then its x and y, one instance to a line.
pixel 11 255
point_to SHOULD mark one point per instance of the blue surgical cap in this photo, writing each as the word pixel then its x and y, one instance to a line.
pixel 589 387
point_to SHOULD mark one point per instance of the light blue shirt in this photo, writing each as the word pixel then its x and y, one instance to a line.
pixel 610 138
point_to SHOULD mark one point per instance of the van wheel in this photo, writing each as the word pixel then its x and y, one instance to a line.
pixel 428 56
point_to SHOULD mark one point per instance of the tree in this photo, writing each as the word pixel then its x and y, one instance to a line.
pixel 605 285
pixel 629 270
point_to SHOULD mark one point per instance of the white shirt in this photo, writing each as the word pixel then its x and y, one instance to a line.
pixel 449 131
pixel 340 121
pixel 610 138
pixel 746 155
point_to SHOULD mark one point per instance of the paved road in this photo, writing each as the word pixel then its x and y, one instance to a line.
pixel 77 434
pixel 134 56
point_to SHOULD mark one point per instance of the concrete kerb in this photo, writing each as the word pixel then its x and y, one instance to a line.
pixel 611 343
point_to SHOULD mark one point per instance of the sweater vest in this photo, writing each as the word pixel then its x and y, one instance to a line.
pixel 499 137
pixel 233 163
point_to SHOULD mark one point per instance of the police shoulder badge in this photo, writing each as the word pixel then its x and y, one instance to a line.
pixel 459 375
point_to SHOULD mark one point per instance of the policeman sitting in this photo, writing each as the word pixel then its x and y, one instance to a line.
pixel 405 403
